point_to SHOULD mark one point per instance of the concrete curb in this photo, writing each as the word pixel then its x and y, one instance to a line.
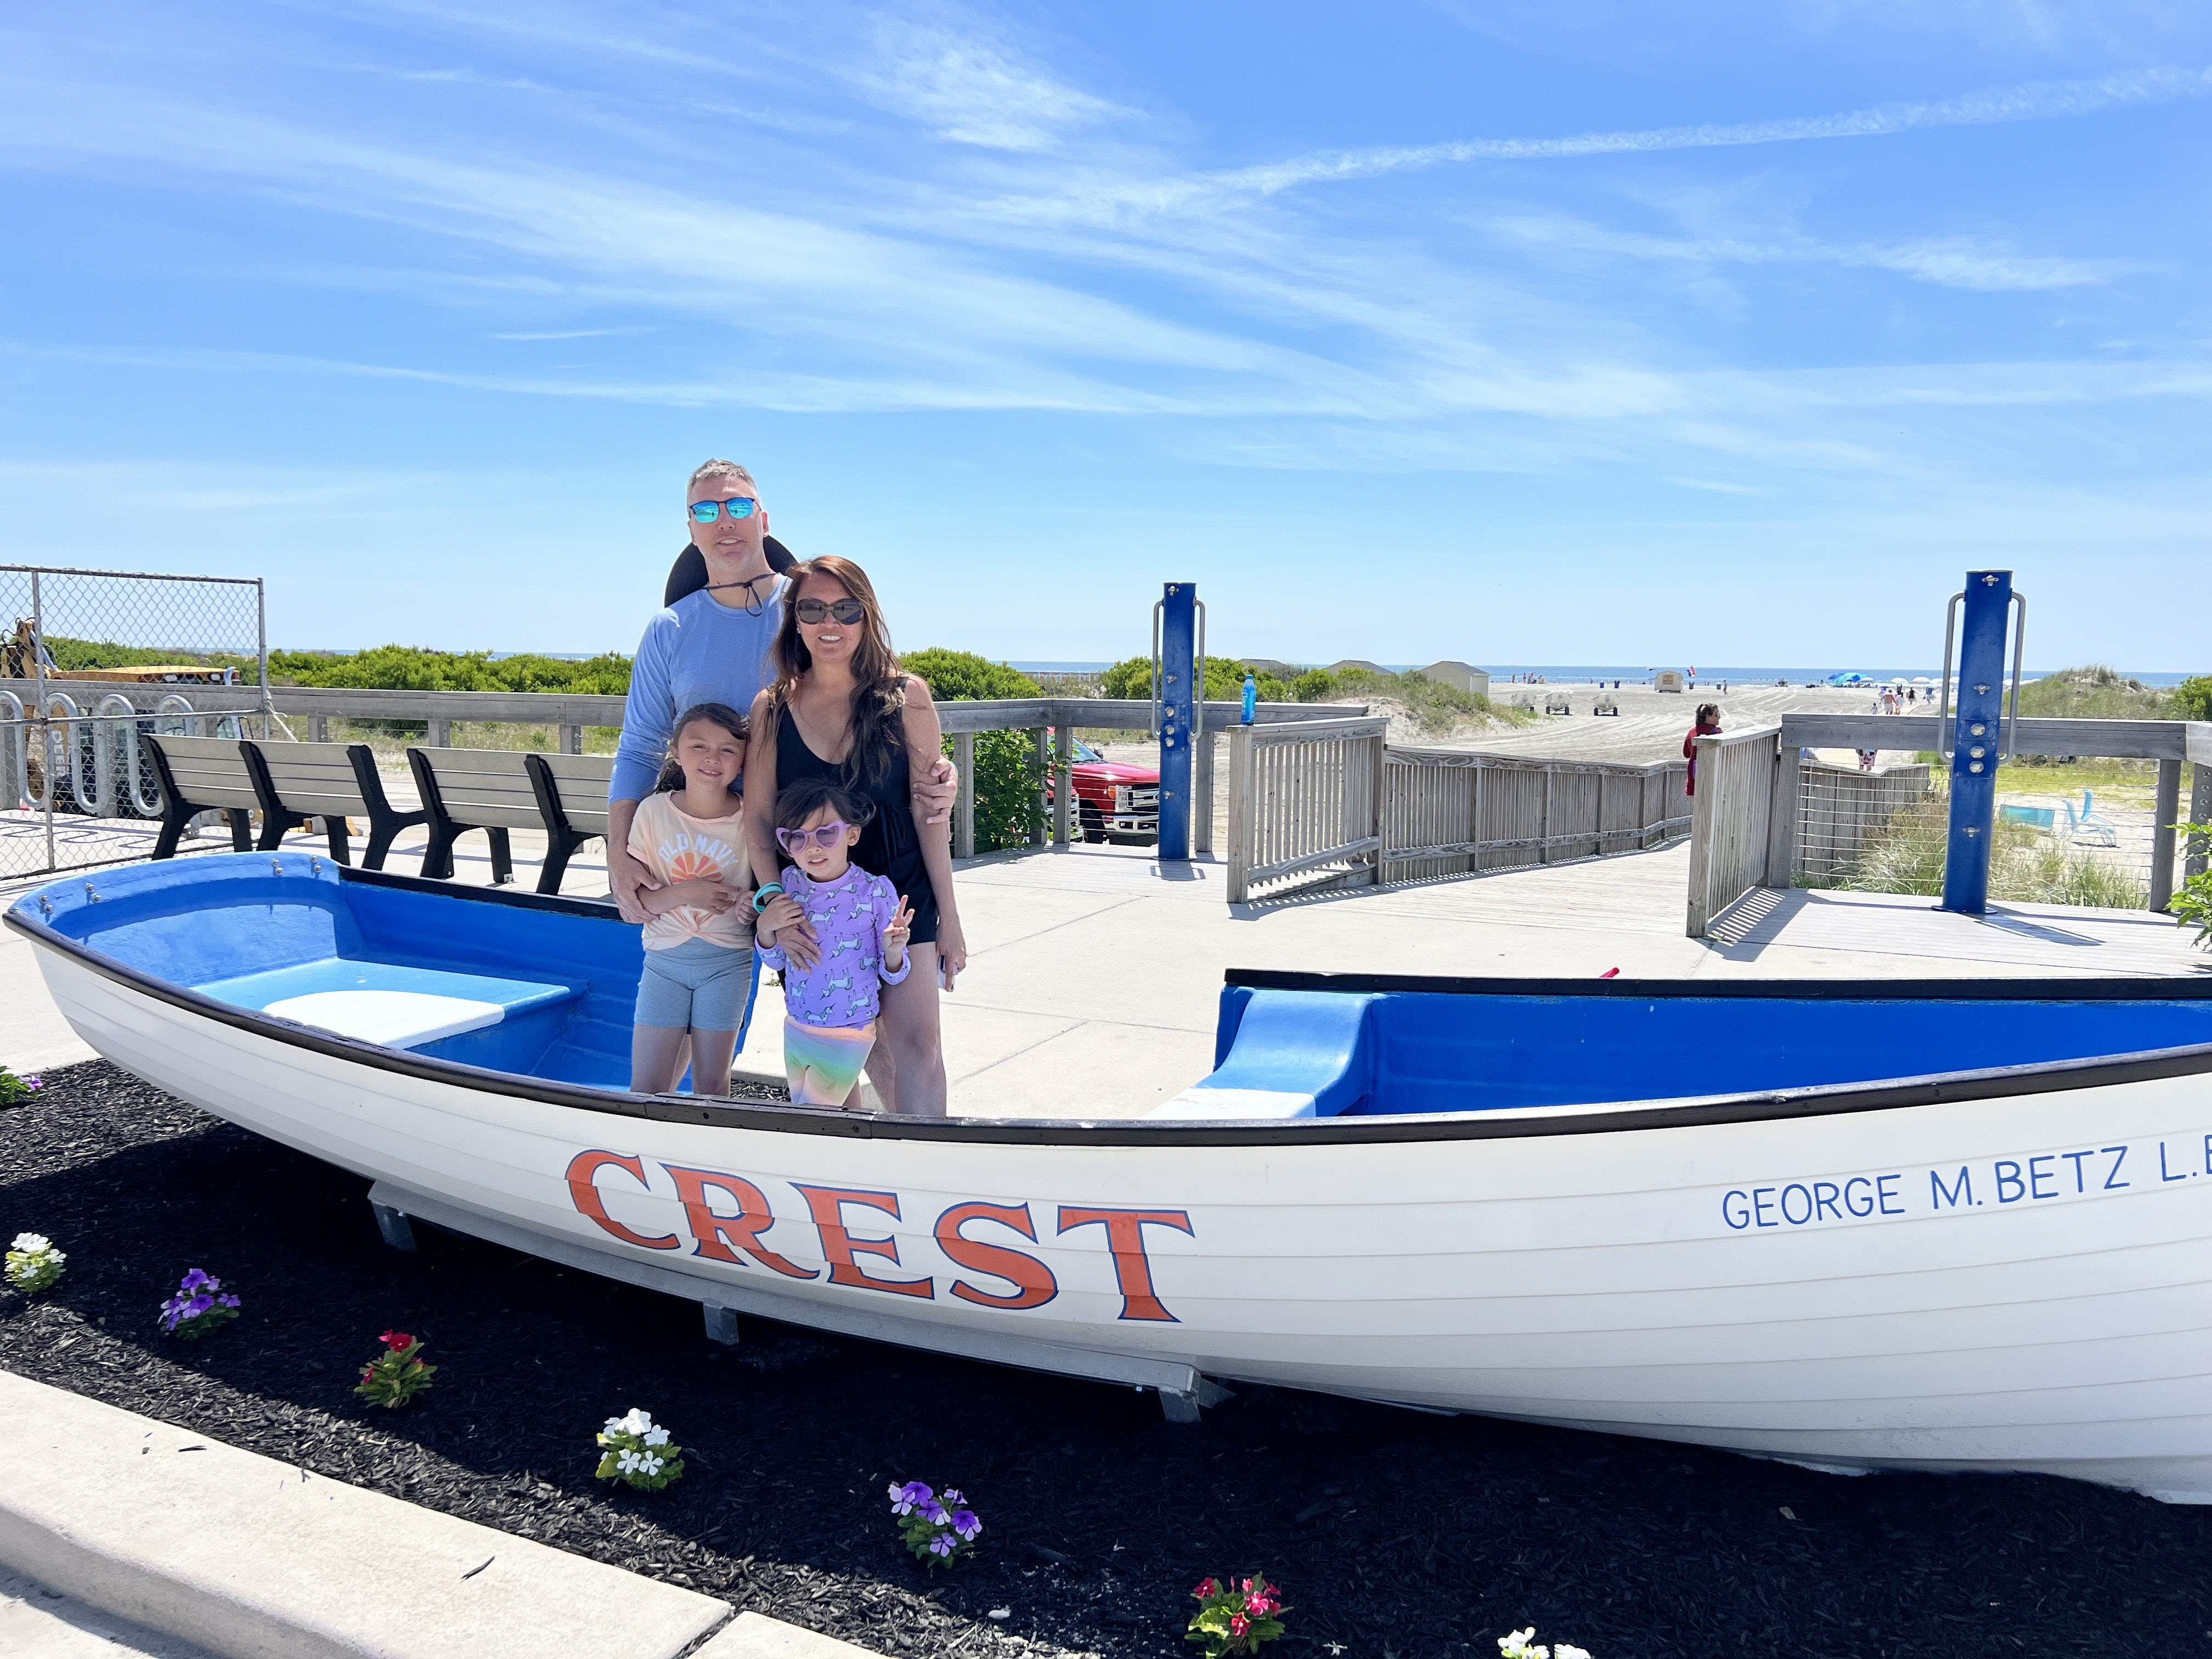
pixel 252 1559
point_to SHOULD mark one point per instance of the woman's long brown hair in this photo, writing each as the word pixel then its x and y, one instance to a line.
pixel 879 716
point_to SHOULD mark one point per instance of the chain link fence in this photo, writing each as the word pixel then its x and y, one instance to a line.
pixel 88 659
pixel 2079 832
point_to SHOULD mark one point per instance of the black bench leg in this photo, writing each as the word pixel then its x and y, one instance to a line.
pixel 241 828
pixel 438 856
pixel 341 843
pixel 275 826
pixel 559 847
pixel 380 837
pixel 502 861
pixel 175 823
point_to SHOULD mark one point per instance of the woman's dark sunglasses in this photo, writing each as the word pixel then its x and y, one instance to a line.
pixel 740 507
pixel 825 835
pixel 847 611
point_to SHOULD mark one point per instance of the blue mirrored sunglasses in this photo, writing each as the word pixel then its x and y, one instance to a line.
pixel 740 507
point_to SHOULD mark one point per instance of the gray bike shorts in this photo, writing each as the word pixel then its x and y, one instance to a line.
pixel 696 985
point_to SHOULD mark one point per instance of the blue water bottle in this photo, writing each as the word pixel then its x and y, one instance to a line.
pixel 1251 697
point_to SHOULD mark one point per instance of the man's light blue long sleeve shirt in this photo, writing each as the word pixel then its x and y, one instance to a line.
pixel 698 650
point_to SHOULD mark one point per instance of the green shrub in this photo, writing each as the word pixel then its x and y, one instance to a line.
pixel 1007 775
pixel 2192 698
pixel 1132 678
pixel 964 677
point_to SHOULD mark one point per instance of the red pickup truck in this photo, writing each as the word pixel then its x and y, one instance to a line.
pixel 1115 802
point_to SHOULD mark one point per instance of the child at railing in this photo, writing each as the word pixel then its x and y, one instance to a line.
pixel 861 923
pixel 697 984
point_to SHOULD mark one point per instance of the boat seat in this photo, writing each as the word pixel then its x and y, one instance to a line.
pixel 384 1003
pixel 1296 1054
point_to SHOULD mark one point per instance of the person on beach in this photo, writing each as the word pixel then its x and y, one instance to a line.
pixel 861 925
pixel 697 984
pixel 714 644
pixel 843 712
pixel 1708 722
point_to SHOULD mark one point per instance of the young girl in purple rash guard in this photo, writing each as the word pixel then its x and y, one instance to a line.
pixel 861 922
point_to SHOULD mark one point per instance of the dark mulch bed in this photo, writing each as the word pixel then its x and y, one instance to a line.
pixel 1397 1535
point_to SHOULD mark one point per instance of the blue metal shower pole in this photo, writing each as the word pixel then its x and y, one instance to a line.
pixel 1973 740
pixel 1178 681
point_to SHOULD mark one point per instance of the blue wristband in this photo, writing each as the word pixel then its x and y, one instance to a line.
pixel 762 897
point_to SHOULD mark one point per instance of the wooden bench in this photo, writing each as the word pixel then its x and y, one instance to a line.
pixel 572 799
pixel 201 775
pixel 332 781
pixel 465 789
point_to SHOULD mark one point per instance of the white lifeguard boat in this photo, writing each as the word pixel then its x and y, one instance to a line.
pixel 1941 1225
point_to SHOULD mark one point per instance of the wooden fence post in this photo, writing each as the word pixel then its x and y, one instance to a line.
pixel 963 810
pixel 1064 812
pixel 1782 822
pixel 572 739
pixel 2163 814
pixel 319 729
pixel 1241 783
pixel 1039 738
pixel 441 734
pixel 2200 811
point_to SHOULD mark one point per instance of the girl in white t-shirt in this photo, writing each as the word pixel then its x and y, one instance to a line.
pixel 698 977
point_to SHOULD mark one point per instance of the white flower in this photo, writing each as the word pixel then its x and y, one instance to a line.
pixel 614 1426
pixel 648 1463
pixel 1569 1650
pixel 638 1422
pixel 656 1437
pixel 32 1242
pixel 1518 1646
pixel 627 1462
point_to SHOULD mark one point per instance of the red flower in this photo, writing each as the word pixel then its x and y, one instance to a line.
pixel 365 1371
pixel 398 1341
pixel 1238 1624
pixel 1206 1587
pixel 1258 1604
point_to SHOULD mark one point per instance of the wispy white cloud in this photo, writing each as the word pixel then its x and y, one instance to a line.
pixel 950 77
pixel 1115 201
pixel 1984 265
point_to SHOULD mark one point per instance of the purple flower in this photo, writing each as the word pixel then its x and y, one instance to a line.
pixel 932 1511
pixel 965 1522
pixel 941 1545
pixel 196 1278
pixel 34 1083
pixel 952 1496
pixel 228 1300
pixel 906 1498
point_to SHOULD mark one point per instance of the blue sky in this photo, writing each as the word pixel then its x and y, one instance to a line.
pixel 1510 330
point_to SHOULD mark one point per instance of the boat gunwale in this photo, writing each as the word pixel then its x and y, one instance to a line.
pixel 1820 1100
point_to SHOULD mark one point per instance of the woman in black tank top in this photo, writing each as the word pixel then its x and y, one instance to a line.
pixel 843 710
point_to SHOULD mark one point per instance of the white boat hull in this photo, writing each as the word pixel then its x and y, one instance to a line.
pixel 1795 1288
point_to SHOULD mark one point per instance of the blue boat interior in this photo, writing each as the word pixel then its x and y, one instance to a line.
pixel 1328 1054
pixel 548 990
pixel 540 990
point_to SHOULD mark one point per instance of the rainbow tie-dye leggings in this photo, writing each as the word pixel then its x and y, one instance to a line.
pixel 823 1062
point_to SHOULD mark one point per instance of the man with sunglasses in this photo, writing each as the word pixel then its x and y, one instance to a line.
pixel 715 644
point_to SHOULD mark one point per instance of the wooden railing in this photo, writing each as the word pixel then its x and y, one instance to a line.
pixel 1305 806
pixel 1052 721
pixel 1332 805
pixel 1450 812
pixel 1739 801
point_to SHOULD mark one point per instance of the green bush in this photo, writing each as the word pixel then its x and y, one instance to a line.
pixel 412 668
pixel 1007 775
pixel 964 677
pixel 2192 698
pixel 1132 678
